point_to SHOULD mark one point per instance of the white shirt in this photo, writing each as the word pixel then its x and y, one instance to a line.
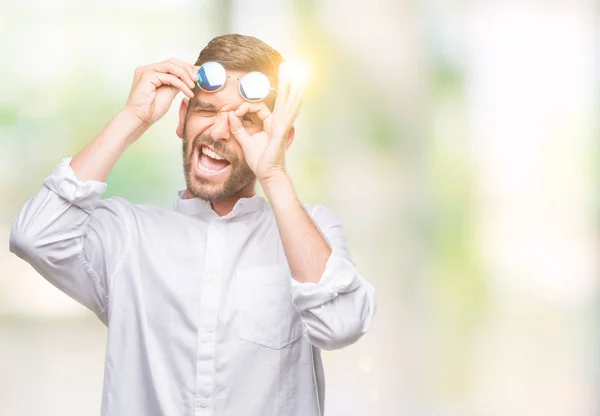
pixel 203 315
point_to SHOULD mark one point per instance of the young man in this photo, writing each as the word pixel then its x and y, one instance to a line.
pixel 221 305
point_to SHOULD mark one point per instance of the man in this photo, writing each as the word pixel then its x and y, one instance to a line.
pixel 221 305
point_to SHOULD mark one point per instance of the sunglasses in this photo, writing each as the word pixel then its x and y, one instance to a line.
pixel 254 86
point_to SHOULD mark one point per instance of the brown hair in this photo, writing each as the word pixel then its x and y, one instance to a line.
pixel 243 53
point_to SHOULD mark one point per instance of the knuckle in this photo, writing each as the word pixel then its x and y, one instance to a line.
pixel 175 63
pixel 145 74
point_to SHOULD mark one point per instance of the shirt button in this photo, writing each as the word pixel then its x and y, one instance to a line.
pixel 201 403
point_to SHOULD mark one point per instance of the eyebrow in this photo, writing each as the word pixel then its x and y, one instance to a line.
pixel 203 105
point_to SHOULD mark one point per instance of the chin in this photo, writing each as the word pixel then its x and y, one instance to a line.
pixel 214 191
pixel 205 191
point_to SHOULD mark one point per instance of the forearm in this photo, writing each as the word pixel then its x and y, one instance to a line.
pixel 97 159
pixel 305 248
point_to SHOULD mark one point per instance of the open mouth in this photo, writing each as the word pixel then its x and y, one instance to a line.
pixel 209 162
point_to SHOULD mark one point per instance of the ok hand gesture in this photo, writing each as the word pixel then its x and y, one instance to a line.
pixel 265 150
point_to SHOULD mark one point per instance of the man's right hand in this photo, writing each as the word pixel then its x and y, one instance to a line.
pixel 153 90
pixel 156 85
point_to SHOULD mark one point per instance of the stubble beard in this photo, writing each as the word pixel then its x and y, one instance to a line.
pixel 240 175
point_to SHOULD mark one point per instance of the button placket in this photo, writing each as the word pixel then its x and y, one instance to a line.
pixel 209 303
pixel 203 407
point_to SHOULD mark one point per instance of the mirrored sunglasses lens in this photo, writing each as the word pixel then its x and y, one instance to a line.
pixel 254 86
pixel 211 76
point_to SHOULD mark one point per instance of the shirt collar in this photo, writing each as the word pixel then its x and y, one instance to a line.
pixel 197 206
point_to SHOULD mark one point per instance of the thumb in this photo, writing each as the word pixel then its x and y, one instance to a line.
pixel 237 130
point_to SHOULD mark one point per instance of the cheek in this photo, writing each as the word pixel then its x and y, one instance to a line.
pixel 197 125
pixel 235 148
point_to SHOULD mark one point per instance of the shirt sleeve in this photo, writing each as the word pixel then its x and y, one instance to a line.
pixel 339 309
pixel 72 237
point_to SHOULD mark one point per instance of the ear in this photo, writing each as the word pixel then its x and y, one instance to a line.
pixel 290 139
pixel 185 102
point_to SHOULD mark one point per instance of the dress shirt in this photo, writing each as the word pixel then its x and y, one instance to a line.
pixel 203 315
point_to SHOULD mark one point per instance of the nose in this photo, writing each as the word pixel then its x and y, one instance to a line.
pixel 219 131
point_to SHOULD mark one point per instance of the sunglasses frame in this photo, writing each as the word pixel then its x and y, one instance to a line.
pixel 239 83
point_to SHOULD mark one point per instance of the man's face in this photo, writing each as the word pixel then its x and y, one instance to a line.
pixel 214 163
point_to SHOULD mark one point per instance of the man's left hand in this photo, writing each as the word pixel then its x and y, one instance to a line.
pixel 265 150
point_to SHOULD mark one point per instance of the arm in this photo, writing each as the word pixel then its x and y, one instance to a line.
pixel 335 302
pixel 97 159
pixel 154 89
pixel 70 236
pixel 66 231
pixel 305 248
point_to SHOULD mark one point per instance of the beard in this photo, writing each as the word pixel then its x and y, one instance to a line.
pixel 207 189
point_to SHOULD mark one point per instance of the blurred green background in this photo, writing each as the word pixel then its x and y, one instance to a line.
pixel 456 140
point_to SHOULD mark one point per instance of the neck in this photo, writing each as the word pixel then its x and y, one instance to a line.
pixel 224 206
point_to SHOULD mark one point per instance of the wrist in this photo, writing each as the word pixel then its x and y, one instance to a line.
pixel 280 192
pixel 275 180
pixel 131 126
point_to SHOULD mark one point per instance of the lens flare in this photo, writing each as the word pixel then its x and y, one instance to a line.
pixel 298 70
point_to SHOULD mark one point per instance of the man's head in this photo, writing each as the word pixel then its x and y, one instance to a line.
pixel 214 164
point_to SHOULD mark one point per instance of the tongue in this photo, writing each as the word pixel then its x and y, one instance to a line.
pixel 213 164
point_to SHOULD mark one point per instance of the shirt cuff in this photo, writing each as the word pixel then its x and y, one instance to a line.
pixel 63 182
pixel 340 276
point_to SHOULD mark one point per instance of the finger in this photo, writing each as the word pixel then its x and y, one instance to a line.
pixel 295 100
pixel 284 119
pixel 189 67
pixel 242 109
pixel 237 130
pixel 297 89
pixel 283 86
pixel 188 71
pixel 158 79
pixel 139 71
pixel 168 67
pixel 259 108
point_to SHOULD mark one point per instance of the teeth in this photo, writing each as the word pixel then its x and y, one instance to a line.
pixel 208 152
pixel 206 169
